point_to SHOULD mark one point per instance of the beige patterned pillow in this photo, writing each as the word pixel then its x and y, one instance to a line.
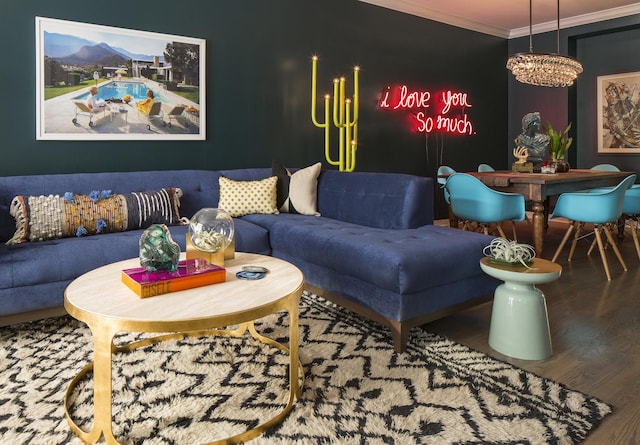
pixel 40 218
pixel 239 198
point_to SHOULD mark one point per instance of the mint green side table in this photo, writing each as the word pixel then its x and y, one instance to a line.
pixel 519 320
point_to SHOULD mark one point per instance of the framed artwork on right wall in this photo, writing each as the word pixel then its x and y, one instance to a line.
pixel 618 112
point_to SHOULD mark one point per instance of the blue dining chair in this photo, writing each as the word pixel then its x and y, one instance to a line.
pixel 488 168
pixel 444 171
pixel 609 168
pixel 630 206
pixel 631 213
pixel 472 201
pixel 606 167
pixel 598 208
pixel 485 168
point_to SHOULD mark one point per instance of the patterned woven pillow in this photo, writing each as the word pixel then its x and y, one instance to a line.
pixel 40 218
pixel 239 198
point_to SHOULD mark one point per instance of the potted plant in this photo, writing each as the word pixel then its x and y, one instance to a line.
pixel 559 144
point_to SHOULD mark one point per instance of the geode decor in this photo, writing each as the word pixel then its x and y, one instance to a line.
pixel 158 251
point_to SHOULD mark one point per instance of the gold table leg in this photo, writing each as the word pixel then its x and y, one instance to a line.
pixel 101 367
pixel 102 392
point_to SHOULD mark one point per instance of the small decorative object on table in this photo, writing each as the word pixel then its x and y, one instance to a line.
pixel 210 236
pixel 533 140
pixel 505 252
pixel 559 144
pixel 548 167
pixel 188 274
pixel 158 251
pixel 521 165
pixel 252 272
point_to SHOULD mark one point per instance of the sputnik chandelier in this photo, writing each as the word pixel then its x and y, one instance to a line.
pixel 542 69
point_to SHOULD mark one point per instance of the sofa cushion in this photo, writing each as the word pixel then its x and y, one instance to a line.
pixel 41 218
pixel 297 191
pixel 62 260
pixel 401 261
pixel 251 237
pixel 239 198
pixel 199 187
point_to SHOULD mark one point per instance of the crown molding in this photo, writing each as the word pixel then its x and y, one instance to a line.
pixel 419 10
pixel 584 19
pixel 412 8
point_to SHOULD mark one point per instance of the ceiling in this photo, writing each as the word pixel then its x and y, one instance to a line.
pixel 510 18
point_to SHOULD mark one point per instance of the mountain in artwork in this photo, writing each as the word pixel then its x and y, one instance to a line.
pixel 73 50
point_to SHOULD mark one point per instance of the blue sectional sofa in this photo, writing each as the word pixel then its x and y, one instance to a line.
pixel 373 249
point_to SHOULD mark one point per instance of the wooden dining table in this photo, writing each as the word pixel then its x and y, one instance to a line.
pixel 537 187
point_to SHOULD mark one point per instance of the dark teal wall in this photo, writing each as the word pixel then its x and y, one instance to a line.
pixel 612 52
pixel 607 47
pixel 258 84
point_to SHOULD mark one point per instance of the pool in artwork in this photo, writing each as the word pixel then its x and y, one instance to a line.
pixel 117 89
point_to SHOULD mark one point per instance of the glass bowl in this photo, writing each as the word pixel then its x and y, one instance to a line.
pixel 211 230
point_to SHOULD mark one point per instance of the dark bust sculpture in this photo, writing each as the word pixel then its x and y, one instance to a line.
pixel 533 140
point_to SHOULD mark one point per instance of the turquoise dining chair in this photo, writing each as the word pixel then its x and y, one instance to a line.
pixel 630 206
pixel 485 168
pixel 472 201
pixel 606 167
pixel 444 171
pixel 598 208
pixel 609 168
pixel 631 213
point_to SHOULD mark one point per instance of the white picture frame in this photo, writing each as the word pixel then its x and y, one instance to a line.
pixel 71 57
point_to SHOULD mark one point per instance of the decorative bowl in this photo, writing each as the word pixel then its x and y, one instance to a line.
pixel 211 229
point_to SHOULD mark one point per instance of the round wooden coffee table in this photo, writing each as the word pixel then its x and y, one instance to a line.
pixel 107 306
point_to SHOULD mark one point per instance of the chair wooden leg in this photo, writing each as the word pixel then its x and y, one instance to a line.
pixel 500 231
pixel 634 233
pixel 593 244
pixel 467 226
pixel 515 235
pixel 614 246
pixel 563 242
pixel 603 255
pixel 579 227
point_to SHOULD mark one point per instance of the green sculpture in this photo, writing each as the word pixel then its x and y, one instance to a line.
pixel 158 251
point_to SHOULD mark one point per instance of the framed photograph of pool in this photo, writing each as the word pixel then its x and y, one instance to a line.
pixel 618 112
pixel 96 82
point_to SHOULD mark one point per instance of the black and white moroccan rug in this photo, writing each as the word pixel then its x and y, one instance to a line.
pixel 357 390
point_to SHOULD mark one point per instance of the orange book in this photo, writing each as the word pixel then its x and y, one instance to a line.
pixel 191 273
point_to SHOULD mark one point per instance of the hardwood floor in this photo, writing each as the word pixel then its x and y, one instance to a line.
pixel 595 331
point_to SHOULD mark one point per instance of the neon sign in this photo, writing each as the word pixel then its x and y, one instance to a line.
pixel 443 111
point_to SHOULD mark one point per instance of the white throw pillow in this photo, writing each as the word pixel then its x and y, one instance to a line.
pixel 301 196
